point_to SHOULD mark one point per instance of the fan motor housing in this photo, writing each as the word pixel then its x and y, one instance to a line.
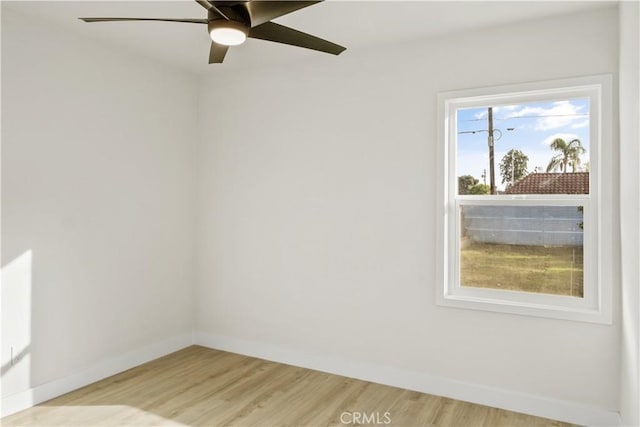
pixel 237 13
pixel 223 23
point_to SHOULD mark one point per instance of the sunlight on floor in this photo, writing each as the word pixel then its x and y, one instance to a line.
pixel 93 415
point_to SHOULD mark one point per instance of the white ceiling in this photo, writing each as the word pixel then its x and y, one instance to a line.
pixel 357 25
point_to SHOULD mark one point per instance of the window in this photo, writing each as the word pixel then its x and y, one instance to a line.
pixel 521 183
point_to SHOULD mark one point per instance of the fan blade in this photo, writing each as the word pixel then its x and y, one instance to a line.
pixel 212 8
pixel 189 21
pixel 217 53
pixel 205 4
pixel 262 11
pixel 280 34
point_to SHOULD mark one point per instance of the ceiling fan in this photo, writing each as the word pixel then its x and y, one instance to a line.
pixel 230 22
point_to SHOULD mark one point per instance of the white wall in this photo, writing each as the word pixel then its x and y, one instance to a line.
pixel 630 209
pixel 97 203
pixel 317 211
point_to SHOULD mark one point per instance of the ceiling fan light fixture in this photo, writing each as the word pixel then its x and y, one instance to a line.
pixel 230 23
pixel 228 33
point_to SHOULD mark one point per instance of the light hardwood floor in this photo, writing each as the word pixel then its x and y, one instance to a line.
pixel 203 387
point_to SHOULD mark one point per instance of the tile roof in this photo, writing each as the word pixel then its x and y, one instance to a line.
pixel 552 183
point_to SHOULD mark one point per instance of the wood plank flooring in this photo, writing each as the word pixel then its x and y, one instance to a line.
pixel 203 387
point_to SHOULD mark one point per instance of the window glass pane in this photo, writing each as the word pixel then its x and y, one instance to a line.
pixel 522 248
pixel 538 148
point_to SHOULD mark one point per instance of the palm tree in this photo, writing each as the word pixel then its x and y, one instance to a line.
pixel 569 154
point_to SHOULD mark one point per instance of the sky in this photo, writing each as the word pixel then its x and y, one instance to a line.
pixel 529 128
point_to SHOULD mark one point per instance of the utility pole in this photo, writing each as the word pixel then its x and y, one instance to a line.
pixel 492 177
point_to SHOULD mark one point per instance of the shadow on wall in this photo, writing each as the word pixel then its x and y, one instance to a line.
pixel 15 359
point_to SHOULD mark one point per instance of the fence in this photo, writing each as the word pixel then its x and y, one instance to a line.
pixel 523 225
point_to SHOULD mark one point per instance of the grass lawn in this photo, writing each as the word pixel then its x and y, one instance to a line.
pixel 539 269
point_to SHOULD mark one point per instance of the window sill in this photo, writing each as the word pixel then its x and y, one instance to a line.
pixel 579 314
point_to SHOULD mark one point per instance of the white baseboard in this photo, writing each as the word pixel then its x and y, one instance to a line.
pixel 41 393
pixel 499 398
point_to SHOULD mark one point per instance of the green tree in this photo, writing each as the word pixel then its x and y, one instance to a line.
pixel 465 182
pixel 569 155
pixel 480 189
pixel 513 166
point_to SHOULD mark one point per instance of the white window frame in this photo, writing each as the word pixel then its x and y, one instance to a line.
pixel 596 306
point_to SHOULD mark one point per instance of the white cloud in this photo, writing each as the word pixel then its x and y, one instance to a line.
pixel 497 110
pixel 481 115
pixel 560 114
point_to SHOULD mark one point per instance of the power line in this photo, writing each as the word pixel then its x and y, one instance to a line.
pixel 528 117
